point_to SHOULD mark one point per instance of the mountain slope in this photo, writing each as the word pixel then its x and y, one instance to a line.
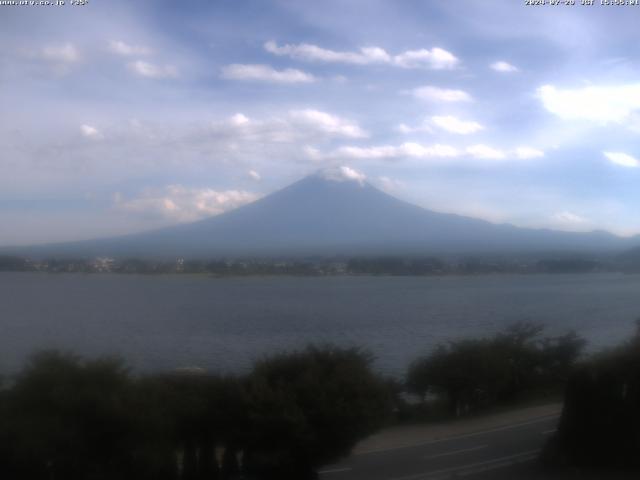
pixel 320 216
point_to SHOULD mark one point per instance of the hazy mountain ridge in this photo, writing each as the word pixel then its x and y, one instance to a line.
pixel 322 216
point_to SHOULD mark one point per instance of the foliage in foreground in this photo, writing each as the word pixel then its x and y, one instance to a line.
pixel 600 422
pixel 478 373
pixel 70 419
pixel 64 417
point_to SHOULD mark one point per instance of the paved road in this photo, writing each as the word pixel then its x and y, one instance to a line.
pixel 498 452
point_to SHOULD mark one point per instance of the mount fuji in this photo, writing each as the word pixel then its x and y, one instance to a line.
pixel 323 215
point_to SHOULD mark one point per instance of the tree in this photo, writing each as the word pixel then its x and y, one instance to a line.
pixel 70 419
pixel 559 355
pixel 477 373
pixel 309 408
pixel 470 373
pixel 199 413
pixel 600 422
pixel 74 419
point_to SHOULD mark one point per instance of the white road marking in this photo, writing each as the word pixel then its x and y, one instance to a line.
pixel 547 432
pixel 334 470
pixel 472 468
pixel 466 435
pixel 455 452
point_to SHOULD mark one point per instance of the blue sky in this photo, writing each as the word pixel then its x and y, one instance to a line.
pixel 124 116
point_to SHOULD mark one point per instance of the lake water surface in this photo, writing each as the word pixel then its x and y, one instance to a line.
pixel 223 324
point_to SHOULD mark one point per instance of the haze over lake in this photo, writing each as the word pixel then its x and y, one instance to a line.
pixel 223 324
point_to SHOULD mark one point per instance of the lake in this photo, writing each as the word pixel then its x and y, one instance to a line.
pixel 224 324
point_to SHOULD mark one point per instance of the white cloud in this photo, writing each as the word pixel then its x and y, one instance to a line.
pixel 344 173
pixel 313 154
pixel 90 132
pixel 352 174
pixel 389 184
pixel 526 153
pixel 121 48
pixel 485 152
pixel 455 125
pixel 435 151
pixel 66 53
pixel 503 67
pixel 434 59
pixel 567 217
pixel 239 120
pixel 146 69
pixel 613 104
pixel 436 94
pixel 325 122
pixel 240 131
pixel 408 149
pixel 379 152
pixel 114 150
pixel 305 51
pixel 254 175
pixel 404 128
pixel 622 159
pixel 448 123
pixel 407 129
pixel 265 73
pixel 295 126
pixel 183 204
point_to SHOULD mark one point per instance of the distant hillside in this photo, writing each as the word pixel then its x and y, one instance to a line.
pixel 630 259
pixel 322 216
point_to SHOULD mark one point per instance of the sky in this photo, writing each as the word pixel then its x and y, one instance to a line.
pixel 121 116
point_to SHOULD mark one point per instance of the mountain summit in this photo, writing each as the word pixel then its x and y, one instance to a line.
pixel 336 212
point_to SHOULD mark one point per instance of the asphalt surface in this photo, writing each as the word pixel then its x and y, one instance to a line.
pixel 506 451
